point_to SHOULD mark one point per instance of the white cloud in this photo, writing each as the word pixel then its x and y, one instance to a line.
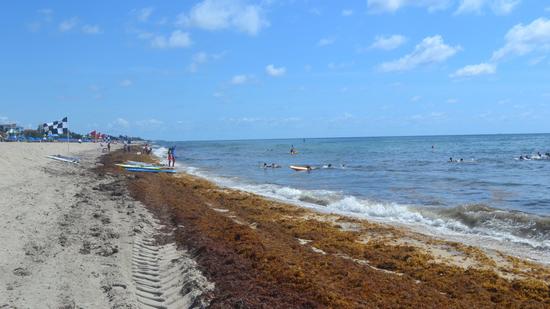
pixel 274 71
pixel 225 14
pixel 326 41
pixel 150 122
pixel 144 14
pixel 347 12
pixel 499 7
pixel 416 98
pixel 388 42
pixel 536 60
pixel 121 122
pixel 68 24
pixel 46 16
pixel 521 40
pixel 198 59
pixel 475 69
pixel 201 58
pixel 91 29
pixel 380 6
pixel 240 79
pixel 452 100
pixel 126 83
pixel 430 50
pixel 433 116
pixel 315 11
pixel 263 121
pixel 176 39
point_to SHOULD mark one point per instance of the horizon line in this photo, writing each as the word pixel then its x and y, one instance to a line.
pixel 339 137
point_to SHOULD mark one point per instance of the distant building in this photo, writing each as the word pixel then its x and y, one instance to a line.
pixel 7 127
pixel 10 127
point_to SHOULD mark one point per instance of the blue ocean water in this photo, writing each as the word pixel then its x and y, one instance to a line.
pixel 399 179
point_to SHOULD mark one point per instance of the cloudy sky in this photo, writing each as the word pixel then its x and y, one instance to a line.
pixel 220 69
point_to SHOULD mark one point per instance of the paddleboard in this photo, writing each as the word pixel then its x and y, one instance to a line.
pixel 140 166
pixel 64 159
pixel 139 169
pixel 139 163
pixel 300 168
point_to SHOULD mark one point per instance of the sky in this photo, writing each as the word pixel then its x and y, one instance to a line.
pixel 220 69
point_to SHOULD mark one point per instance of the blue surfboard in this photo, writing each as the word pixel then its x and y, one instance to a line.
pixel 147 170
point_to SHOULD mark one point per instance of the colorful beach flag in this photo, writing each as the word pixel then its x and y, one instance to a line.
pixel 57 127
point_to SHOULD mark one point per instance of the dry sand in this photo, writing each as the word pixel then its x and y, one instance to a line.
pixel 71 238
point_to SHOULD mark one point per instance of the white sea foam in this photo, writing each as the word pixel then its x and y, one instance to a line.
pixel 161 154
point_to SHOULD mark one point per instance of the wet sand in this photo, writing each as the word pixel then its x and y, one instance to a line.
pixel 263 253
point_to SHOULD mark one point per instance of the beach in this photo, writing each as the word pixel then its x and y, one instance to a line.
pixel 95 236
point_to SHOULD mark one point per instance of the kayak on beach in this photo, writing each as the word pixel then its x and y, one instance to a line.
pixel 149 170
pixel 64 159
pixel 139 163
pixel 151 167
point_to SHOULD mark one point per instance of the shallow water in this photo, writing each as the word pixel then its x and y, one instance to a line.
pixel 397 179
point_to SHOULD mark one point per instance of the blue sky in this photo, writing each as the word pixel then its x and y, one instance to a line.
pixel 218 69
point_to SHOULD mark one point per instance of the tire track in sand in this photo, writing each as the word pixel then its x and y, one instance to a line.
pixel 164 276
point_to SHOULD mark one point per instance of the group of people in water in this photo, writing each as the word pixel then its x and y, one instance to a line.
pixel 293 151
pixel 272 165
pixel 538 156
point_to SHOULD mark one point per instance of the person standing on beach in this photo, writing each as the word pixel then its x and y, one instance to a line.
pixel 171 156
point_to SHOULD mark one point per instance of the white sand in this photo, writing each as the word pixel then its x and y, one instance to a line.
pixel 68 236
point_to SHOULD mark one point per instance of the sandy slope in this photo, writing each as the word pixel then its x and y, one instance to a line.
pixel 68 234
pixel 43 228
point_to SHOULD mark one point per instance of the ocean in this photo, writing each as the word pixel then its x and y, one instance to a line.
pixel 489 197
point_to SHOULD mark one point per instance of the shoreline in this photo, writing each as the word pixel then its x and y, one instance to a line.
pixel 287 249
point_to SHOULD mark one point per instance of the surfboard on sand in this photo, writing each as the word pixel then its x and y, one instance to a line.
pixel 148 170
pixel 300 168
pixel 139 166
pixel 139 163
pixel 64 159
pixel 151 167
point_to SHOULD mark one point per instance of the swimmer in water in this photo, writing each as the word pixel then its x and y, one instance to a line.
pixel 292 150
